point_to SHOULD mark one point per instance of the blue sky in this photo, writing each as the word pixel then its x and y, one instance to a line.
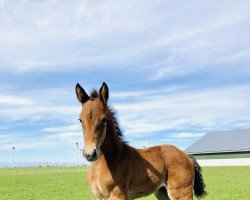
pixel 175 71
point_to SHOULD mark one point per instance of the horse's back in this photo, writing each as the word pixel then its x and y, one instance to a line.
pixel 175 156
pixel 168 154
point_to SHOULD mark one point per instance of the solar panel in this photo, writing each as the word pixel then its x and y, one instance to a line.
pixel 222 141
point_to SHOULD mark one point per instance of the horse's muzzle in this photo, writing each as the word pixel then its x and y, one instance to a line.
pixel 90 157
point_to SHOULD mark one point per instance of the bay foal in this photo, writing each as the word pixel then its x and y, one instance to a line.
pixel 119 171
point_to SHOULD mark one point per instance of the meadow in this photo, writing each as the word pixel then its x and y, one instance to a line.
pixel 53 183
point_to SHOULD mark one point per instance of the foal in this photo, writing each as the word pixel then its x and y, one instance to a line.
pixel 119 171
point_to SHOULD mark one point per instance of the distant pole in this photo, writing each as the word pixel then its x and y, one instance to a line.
pixel 13 158
pixel 13 149
pixel 77 159
pixel 76 151
pixel 145 145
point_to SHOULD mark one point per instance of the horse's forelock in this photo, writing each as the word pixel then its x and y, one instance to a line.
pixel 94 94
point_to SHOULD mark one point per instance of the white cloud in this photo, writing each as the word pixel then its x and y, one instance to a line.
pixel 39 142
pixel 63 128
pixel 163 109
pixel 23 142
pixel 69 136
pixel 149 143
pixel 39 112
pixel 187 135
pixel 159 40
pixel 236 56
pixel 15 100
pixel 43 104
pixel 156 91
pixel 56 27
pixel 207 109
pixel 83 34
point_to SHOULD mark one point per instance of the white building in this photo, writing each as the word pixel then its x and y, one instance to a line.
pixel 223 148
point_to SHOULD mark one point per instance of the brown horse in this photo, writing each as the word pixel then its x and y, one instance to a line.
pixel 119 171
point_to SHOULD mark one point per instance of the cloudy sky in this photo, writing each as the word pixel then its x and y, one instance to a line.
pixel 175 70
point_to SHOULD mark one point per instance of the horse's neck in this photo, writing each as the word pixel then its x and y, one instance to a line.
pixel 112 146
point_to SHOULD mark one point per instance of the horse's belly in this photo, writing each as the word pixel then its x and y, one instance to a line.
pixel 144 188
pixel 138 192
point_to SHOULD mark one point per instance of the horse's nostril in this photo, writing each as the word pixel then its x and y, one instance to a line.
pixel 90 157
pixel 94 154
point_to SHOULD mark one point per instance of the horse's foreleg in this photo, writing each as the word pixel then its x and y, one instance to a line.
pixel 91 179
pixel 119 194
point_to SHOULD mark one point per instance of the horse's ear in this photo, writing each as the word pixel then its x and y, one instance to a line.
pixel 82 96
pixel 104 93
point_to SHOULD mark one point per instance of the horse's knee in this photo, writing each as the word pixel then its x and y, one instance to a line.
pixel 162 193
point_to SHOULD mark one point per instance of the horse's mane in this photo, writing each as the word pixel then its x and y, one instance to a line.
pixel 117 127
pixel 94 94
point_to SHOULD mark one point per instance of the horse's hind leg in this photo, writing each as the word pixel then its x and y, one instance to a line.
pixel 162 194
pixel 183 193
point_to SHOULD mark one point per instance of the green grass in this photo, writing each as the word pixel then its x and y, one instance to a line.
pixel 44 183
pixel 225 183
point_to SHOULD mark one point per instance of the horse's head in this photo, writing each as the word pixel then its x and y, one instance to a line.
pixel 94 116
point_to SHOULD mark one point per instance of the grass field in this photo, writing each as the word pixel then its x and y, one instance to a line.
pixel 225 183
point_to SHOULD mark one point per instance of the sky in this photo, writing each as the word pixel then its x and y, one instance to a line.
pixel 175 71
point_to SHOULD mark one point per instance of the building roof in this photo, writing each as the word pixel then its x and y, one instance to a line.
pixel 222 141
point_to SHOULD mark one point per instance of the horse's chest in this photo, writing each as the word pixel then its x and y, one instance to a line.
pixel 101 185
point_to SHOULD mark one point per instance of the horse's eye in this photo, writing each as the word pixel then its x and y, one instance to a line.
pixel 104 121
pixel 80 120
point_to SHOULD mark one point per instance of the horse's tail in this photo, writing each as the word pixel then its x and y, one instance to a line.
pixel 199 185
